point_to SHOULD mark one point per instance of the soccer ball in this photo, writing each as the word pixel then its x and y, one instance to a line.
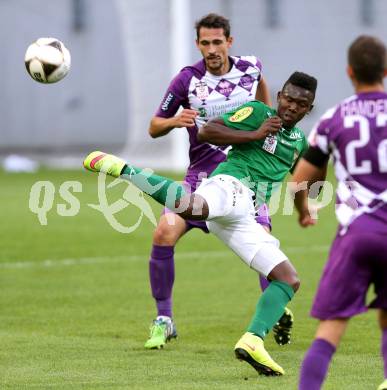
pixel 47 60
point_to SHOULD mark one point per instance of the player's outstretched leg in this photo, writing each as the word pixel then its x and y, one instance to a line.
pixel 162 330
pixel 163 190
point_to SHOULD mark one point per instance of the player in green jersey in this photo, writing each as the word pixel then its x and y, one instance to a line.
pixel 265 147
pixel 258 170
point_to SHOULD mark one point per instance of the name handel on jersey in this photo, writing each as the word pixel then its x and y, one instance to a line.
pixel 369 108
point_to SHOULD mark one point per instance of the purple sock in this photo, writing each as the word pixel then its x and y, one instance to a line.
pixel 263 282
pixel 315 366
pixel 162 276
pixel 384 350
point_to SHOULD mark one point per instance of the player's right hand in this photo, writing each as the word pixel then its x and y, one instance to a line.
pixel 186 118
pixel 270 127
pixel 306 220
pixel 308 216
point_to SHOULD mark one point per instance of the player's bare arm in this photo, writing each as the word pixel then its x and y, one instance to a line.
pixel 301 202
pixel 309 173
pixel 263 93
pixel 217 133
pixel 162 126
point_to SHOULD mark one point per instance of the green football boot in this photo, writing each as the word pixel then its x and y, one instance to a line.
pixel 251 349
pixel 103 162
pixel 162 330
pixel 383 386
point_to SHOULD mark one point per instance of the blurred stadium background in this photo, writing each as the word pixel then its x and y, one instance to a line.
pixel 124 53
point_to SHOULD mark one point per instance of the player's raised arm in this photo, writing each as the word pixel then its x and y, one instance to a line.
pixel 160 126
pixel 217 133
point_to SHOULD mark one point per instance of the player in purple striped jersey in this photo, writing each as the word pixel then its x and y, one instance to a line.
pixel 217 84
pixel 355 133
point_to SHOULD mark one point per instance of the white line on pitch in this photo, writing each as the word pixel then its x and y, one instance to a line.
pixel 139 257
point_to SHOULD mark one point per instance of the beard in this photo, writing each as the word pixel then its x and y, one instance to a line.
pixel 214 64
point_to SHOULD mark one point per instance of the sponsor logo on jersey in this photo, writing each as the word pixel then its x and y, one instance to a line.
pixel 167 101
pixel 241 114
pixel 296 135
pixel 201 90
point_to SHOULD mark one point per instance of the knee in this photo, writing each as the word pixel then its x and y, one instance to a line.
pixel 293 280
pixel 164 235
pixel 295 283
pixel 285 272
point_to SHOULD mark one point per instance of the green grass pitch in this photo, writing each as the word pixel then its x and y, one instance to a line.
pixel 75 302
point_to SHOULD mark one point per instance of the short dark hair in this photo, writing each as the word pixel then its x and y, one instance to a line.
pixel 213 21
pixel 302 80
pixel 367 57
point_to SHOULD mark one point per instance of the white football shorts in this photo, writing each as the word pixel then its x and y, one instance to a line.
pixel 232 219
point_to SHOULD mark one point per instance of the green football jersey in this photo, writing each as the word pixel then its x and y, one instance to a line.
pixel 261 165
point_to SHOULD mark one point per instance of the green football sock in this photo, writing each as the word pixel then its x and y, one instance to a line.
pixel 270 307
pixel 161 189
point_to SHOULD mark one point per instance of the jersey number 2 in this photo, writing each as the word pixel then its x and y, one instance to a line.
pixel 364 167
